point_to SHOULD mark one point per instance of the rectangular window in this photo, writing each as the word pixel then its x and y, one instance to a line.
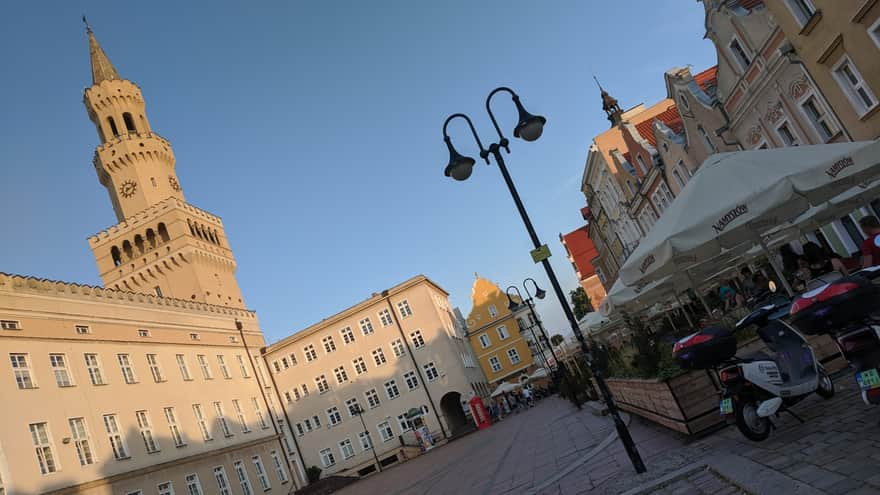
pixel 296 394
pixel 431 373
pixel 484 341
pixel 83 329
pixel 346 449
pixel 739 54
pixel 203 423
pixel 259 412
pixel 341 375
pixel 184 369
pixel 43 448
pixel 195 336
pixel 243 478
pixel 802 10
pixel 391 390
pixel 493 311
pixel 125 365
pixel 364 438
pixel 404 309
pixel 417 340
pixel 166 488
pixel 239 415
pixel 171 419
pixel 305 390
pixel 203 365
pixel 329 345
pixel 94 368
pixel 398 348
pixel 79 433
pixel 242 367
pixel 347 335
pixel 353 407
pixel 280 471
pixel 412 382
pixel 261 473
pixel 360 367
pixel 502 332
pixel 816 114
pixel 143 332
pixel 292 359
pixel 379 357
pixel 277 366
pixel 327 458
pixel 10 325
pixel 193 486
pixel 117 443
pixel 874 32
pixel 403 423
pixel 222 481
pixel 288 397
pixel 786 134
pixel 224 370
pixel 385 318
pixel 372 398
pixel 495 364
pixel 385 431
pixel 310 353
pixel 21 368
pixel 366 326
pixel 513 356
pixel 333 416
pixel 299 429
pixel 855 87
pixel 155 370
pixel 285 362
pixel 146 429
pixel 221 420
pixel 321 384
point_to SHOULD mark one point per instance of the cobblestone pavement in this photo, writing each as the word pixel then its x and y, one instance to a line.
pixel 543 451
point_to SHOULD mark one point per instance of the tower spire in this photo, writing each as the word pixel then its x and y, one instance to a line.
pixel 102 69
pixel 609 105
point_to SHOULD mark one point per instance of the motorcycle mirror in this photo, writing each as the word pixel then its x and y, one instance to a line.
pixel 772 286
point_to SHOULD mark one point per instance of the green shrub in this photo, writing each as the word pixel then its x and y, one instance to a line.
pixel 313 473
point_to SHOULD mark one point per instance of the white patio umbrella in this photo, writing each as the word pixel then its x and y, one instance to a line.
pixel 504 388
pixel 538 374
pixel 737 197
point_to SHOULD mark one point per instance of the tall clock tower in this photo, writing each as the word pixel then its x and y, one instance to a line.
pixel 162 245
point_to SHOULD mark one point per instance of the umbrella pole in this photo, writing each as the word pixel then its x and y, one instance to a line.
pixel 775 264
pixel 684 310
pixel 697 292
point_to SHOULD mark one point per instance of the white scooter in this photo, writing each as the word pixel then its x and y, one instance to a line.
pixel 759 385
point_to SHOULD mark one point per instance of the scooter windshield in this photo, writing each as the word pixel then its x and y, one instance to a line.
pixel 794 358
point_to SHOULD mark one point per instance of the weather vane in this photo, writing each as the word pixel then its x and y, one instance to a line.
pixel 86 22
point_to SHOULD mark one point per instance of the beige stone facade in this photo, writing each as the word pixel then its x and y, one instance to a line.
pixel 398 351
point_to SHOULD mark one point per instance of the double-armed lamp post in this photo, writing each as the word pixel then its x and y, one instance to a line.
pixel 529 128
pixel 559 373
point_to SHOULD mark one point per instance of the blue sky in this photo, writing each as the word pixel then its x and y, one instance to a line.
pixel 314 130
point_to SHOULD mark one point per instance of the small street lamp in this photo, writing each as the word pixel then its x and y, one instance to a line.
pixel 359 412
pixel 529 128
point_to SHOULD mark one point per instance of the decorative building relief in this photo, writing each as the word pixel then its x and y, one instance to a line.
pixel 798 88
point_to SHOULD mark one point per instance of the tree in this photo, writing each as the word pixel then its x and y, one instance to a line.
pixel 556 340
pixel 581 302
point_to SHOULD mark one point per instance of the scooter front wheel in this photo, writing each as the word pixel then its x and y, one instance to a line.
pixel 748 422
pixel 826 386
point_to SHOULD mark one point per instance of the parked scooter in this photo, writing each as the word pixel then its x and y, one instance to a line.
pixel 759 385
pixel 848 309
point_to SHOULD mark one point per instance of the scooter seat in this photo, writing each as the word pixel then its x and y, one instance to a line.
pixel 756 356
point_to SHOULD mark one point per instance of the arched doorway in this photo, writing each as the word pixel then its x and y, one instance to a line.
pixel 450 404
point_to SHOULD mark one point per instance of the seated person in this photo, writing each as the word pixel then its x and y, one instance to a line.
pixel 822 261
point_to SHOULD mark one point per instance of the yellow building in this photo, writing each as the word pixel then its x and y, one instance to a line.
pixel 502 350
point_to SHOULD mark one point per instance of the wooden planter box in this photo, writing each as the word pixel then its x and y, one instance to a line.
pixel 688 403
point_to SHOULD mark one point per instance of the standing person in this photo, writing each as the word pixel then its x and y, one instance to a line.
pixel 870 249
pixel 528 396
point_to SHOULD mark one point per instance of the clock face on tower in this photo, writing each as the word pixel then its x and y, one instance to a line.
pixel 128 188
pixel 174 184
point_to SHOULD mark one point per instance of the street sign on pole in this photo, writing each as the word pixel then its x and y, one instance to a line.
pixel 541 253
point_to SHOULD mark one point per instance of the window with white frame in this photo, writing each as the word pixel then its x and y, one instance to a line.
pixel 146 429
pixel 300 430
pixel 310 353
pixel 739 53
pixel 786 134
pixel 854 86
pixel 10 325
pixel 224 370
pixel 243 480
pixel 195 336
pixel 802 10
pixel 193 485
pixel 493 311
pixel 305 390
pixel 403 423
pixel 43 447
pixel 174 427
pixel 360 367
pixel 366 326
pixel 329 345
pixel 296 394
pixel 364 438
pixel 261 418
pixel 502 332
pixel 83 329
pixel 379 357
pixel 641 163
pixel 484 341
pixel 93 365
pixel 199 414
pixel 372 398
pixel 412 382
pixel 346 449
pixel 280 470
pixel 59 369
pixel 79 433
pixel 818 117
pixel 333 416
pixel 288 397
pixel 347 335
pixel 353 407
pixel 204 366
pixel 385 431
pixel 666 192
pixel 404 309
pixel 143 332
pixel 292 357
pixel 221 419
pixel 874 32
pixel 165 488
pixel 385 318
pixel 391 390
pixel 327 458
pixel 222 481
pixel 341 375
pixel 495 364
pixel 262 477
pixel 155 369
pixel 126 368
pixel 398 348
pixel 239 415
pixel 321 384
pixel 513 356
pixel 431 372
pixel 417 340
pixel 117 443
pixel 242 367
pixel 182 366
pixel 707 142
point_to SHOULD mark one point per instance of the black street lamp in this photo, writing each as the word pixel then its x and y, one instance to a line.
pixel 357 410
pixel 529 128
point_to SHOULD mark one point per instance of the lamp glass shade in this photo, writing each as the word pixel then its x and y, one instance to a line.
pixel 540 293
pixel 530 127
pixel 460 167
pixel 511 305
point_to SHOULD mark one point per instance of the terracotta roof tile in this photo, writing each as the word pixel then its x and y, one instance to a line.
pixel 708 77
pixel 669 117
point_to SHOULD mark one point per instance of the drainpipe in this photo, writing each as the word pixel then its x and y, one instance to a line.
pixel 302 462
pixel 412 358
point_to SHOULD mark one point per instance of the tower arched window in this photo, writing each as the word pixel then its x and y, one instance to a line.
pixel 129 122
pixel 113 128
pixel 126 248
pixel 115 254
pixel 151 238
pixel 163 232
pixel 139 243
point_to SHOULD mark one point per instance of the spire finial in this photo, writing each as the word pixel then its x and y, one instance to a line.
pixel 86 22
pixel 594 78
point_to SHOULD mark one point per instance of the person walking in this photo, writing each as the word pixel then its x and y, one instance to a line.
pixel 870 249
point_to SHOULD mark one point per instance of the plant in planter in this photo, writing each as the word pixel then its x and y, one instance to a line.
pixel 313 473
